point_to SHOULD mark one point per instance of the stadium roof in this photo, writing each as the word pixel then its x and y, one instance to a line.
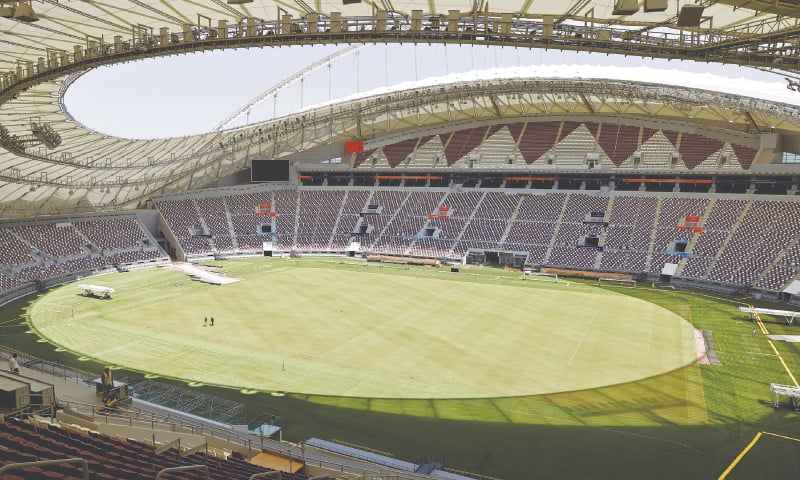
pixel 49 163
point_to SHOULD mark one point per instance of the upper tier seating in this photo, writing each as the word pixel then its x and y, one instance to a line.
pixel 564 143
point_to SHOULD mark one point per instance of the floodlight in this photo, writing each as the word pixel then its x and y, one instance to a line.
pixel 24 13
pixel 690 15
pixel 625 7
pixel 655 5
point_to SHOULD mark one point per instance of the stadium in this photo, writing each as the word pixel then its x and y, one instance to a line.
pixel 474 273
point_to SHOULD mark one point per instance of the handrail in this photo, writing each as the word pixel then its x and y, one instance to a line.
pixel 163 448
pixel 45 463
pixel 204 468
pixel 173 422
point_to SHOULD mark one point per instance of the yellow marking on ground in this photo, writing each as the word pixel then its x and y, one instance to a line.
pixel 760 323
pixel 774 349
pixel 740 456
pixel 750 446
pixel 785 367
pixel 782 436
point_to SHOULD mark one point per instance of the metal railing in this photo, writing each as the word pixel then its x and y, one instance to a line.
pixel 49 367
pixel 203 468
pixel 46 463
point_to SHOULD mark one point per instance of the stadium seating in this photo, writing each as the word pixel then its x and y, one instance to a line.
pixel 15 251
pixel 763 232
pixel 108 458
pixel 47 249
pixel 317 217
pixel 618 142
pixel 564 143
pixel 112 234
pixel 695 149
pixel 535 139
pixel 740 242
pixel 573 147
pixel 55 240
pixel 743 242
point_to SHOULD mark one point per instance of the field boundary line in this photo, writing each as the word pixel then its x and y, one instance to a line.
pixel 749 446
pixel 785 367
pixel 775 349
pixel 740 456
pixel 782 436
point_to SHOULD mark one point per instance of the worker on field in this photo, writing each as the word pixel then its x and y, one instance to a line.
pixel 108 406
pixel 107 381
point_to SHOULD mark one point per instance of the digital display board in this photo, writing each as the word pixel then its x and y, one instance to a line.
pixel 269 171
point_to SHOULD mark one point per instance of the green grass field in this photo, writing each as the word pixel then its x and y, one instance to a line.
pixel 368 333
pixel 501 377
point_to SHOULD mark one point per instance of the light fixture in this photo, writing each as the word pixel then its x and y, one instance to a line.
pixel 655 5
pixel 239 2
pixel 22 11
pixel 625 7
pixel 690 15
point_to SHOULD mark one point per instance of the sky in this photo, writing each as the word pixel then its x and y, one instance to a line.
pixel 192 93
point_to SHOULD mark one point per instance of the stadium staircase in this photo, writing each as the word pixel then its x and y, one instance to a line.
pixel 511 220
pixel 296 220
pixel 775 261
pixel 229 221
pixel 653 234
pixel 392 220
pixel 604 232
pixel 466 225
pixel 210 238
pixel 338 219
pixel 425 224
pixel 369 201
pixel 731 234
pixel 560 219
pixel 693 241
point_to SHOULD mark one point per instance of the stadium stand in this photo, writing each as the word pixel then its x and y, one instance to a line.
pixel 137 439
pixel 567 144
pixel 108 457
pixel 740 242
pixel 504 163
pixel 316 218
pixel 58 249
